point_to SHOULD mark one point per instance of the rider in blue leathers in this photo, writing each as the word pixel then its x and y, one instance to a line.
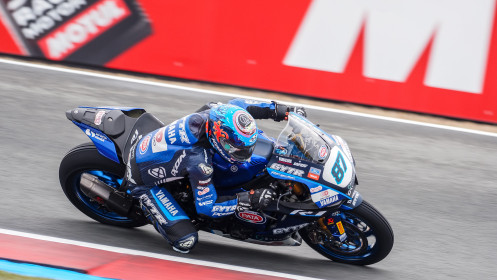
pixel 184 148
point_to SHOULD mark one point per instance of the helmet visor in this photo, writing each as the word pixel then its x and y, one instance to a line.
pixel 237 153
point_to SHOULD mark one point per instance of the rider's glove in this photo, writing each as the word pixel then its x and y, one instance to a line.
pixel 254 199
pixel 281 111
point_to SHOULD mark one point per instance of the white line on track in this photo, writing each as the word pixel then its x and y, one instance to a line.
pixel 153 255
pixel 212 92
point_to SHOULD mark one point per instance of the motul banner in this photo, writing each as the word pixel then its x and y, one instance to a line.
pixel 430 56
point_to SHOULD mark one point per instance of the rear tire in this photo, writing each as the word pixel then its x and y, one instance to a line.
pixel 85 158
pixel 369 237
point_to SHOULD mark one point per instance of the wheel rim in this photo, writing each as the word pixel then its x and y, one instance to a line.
pixel 110 179
pixel 360 243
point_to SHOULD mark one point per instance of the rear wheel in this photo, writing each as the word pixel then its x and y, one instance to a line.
pixel 369 237
pixel 85 158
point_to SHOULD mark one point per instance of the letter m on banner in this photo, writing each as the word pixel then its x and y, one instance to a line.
pixel 396 33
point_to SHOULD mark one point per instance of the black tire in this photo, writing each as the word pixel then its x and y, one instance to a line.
pixel 360 224
pixel 86 158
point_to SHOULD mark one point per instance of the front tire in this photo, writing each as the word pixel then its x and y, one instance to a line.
pixel 369 237
pixel 85 158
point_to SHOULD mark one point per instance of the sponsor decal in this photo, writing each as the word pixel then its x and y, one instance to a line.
pixel 158 142
pixel 340 227
pixel 98 117
pixel 253 139
pixel 205 182
pixel 40 16
pixel 336 213
pixel 144 144
pixel 234 168
pixel 187 243
pixel 330 221
pixel 300 164
pixel 203 198
pixel 159 172
pixel 287 169
pixel 330 30
pixel 206 169
pixel 251 217
pixel 285 160
pixel 251 101
pixel 325 197
pixel 135 137
pixel 174 171
pixel 314 173
pixel 307 213
pixel 244 123
pixel 323 152
pixel 353 201
pixel 167 203
pixel 220 210
pixel 208 202
pixel 147 204
pixel 339 168
pixel 203 191
pixel 278 175
pixel 316 189
pixel 171 132
pixel 131 155
pixel 182 132
pixel 328 200
pixel 95 135
pixel 77 31
pixel 289 229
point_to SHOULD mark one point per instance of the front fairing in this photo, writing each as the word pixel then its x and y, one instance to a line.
pixel 323 162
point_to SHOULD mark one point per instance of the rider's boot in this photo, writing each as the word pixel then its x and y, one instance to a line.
pixel 169 219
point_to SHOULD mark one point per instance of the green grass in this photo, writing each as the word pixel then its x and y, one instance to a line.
pixel 9 276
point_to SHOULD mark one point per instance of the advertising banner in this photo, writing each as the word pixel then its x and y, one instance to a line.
pixel 430 56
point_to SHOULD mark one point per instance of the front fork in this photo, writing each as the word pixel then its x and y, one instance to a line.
pixel 333 226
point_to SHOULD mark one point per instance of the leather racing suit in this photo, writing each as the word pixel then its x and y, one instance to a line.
pixel 178 150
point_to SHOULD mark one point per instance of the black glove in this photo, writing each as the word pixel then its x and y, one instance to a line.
pixel 281 111
pixel 254 199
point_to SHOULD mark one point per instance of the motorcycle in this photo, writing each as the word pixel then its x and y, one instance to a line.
pixel 312 172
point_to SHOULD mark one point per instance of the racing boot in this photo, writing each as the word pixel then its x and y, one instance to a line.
pixel 169 219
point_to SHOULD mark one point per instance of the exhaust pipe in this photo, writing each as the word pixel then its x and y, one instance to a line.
pixel 105 195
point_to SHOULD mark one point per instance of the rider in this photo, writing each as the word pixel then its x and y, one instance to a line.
pixel 185 148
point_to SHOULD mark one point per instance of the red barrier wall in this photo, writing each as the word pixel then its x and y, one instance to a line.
pixel 430 56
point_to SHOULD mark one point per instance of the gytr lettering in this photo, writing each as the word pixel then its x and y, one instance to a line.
pixel 287 169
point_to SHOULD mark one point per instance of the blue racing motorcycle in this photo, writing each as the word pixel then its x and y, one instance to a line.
pixel 312 172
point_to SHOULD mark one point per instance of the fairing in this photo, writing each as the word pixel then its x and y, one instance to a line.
pixel 306 154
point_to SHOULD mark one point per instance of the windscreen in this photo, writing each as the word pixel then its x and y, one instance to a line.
pixel 301 139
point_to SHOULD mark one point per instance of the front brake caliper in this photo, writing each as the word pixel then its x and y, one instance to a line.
pixel 333 225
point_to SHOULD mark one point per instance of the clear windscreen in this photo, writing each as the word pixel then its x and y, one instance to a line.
pixel 301 139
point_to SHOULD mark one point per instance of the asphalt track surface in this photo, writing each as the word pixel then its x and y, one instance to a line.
pixel 436 187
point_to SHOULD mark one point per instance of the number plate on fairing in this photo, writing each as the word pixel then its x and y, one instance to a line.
pixel 338 170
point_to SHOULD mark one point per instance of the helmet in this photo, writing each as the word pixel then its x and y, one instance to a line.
pixel 232 132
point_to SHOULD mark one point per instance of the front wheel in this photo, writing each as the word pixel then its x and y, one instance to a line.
pixel 85 158
pixel 369 237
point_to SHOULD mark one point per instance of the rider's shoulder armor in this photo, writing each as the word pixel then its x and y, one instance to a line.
pixel 180 134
